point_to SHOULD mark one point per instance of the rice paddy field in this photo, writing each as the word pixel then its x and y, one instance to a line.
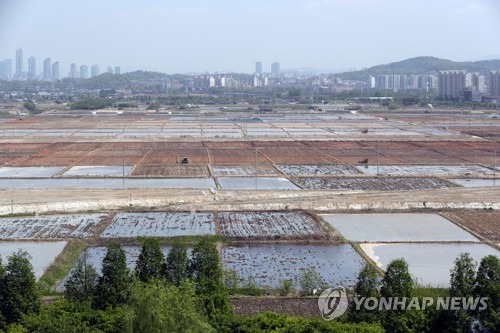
pixel 273 225
pixel 50 227
pixel 371 183
pixel 159 224
pixel 269 264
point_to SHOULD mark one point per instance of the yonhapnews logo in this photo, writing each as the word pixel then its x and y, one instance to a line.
pixel 333 303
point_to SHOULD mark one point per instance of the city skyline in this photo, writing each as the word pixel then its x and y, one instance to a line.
pixel 252 31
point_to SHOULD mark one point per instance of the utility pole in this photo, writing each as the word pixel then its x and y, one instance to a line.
pixel 495 160
pixel 378 156
pixel 256 166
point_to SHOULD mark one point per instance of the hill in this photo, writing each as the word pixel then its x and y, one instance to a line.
pixel 421 65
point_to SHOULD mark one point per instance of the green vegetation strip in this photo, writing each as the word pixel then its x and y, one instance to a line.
pixel 61 267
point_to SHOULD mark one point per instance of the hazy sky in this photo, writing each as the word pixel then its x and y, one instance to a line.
pixel 230 35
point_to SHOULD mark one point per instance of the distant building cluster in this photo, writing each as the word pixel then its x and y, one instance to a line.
pixel 403 82
pixel 50 71
pixel 459 84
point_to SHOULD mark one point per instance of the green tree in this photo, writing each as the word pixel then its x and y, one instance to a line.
pixel 30 106
pixel 311 282
pixel 286 287
pixel 232 280
pixel 207 275
pixel 113 287
pixel 18 290
pixel 151 261
pixel 71 317
pixel 397 281
pixel 160 308
pixel 176 267
pixel 488 285
pixel 366 286
pixel 82 282
pixel 463 278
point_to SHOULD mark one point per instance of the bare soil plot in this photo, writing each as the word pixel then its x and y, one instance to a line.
pixel 160 224
pixel 317 169
pixel 50 227
pixel 296 156
pixel 268 264
pixel 145 170
pixel 277 225
pixel 484 223
pixel 371 184
pixel 236 156
pixel 175 156
pixel 42 254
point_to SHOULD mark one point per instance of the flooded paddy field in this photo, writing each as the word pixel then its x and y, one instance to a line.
pixel 245 170
pixel 371 184
pixel 29 172
pixel 160 224
pixel 42 254
pixel 426 170
pixel 196 183
pixel 397 228
pixel 275 225
pixel 317 169
pixel 98 171
pixel 476 182
pixel 484 223
pixel 428 263
pixel 256 183
pixel 50 227
pixel 268 264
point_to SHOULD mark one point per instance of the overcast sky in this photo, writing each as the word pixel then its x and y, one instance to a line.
pixel 230 35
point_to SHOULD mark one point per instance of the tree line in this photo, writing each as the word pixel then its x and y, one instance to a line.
pixel 188 293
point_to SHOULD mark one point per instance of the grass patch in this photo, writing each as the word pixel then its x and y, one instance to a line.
pixel 60 268
pixel 19 214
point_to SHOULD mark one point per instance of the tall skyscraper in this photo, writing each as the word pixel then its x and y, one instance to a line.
pixel 94 71
pixel 72 71
pixel 19 63
pixel 31 68
pixel 47 69
pixel 258 67
pixel 55 71
pixel 495 83
pixel 7 69
pixel 117 70
pixel 84 72
pixel 478 82
pixel 109 70
pixel 275 69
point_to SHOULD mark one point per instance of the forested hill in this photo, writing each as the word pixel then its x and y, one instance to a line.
pixel 421 65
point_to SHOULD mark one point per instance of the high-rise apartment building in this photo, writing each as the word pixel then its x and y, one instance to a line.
pixel 31 68
pixel 6 69
pixel 478 82
pixel 19 63
pixel 94 71
pixel 258 67
pixel 47 69
pixel 452 83
pixel 55 71
pixel 117 70
pixel 275 69
pixel 72 71
pixel 84 72
pixel 109 70
pixel 495 83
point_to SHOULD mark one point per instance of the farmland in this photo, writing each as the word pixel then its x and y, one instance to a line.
pixel 273 225
pixel 160 225
pixel 50 227
pixel 484 223
pixel 268 264
pixel 371 184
